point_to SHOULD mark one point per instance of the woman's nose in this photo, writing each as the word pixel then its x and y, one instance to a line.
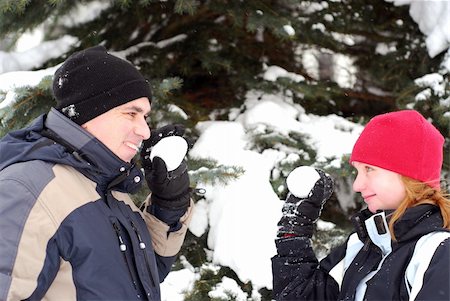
pixel 359 183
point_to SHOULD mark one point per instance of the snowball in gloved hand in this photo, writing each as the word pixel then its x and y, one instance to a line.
pixel 309 190
pixel 301 180
pixel 171 150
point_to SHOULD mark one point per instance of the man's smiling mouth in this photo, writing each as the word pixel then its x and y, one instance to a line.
pixel 133 146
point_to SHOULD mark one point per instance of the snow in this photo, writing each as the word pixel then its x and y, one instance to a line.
pixel 269 111
pixel 319 26
pixel 433 18
pixel 433 83
pixel 70 111
pixel 226 289
pixel 177 283
pixel 328 17
pixel 35 57
pixel 30 39
pixel 242 219
pixel 175 109
pixel 11 80
pixel 433 80
pixel 243 215
pixel 10 97
pixel 200 218
pixel 272 73
pixel 171 150
pixel 301 181
pixel 85 12
pixel 383 48
pixel 325 226
pixel 445 65
pixel 289 30
pixel 344 71
pixel 332 135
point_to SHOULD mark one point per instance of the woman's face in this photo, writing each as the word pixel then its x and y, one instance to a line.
pixel 381 189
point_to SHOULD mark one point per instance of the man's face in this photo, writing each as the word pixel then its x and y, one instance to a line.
pixel 122 129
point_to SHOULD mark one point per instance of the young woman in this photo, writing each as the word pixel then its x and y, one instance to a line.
pixel 400 249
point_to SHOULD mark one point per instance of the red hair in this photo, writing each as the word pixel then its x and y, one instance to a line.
pixel 418 193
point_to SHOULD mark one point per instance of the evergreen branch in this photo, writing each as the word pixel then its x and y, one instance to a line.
pixel 208 171
pixel 186 6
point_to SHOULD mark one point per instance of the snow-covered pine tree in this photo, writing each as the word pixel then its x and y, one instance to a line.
pixel 215 51
pixel 356 59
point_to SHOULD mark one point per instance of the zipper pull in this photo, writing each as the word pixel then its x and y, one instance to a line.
pixel 123 248
pixel 141 243
pixel 122 245
pixel 142 247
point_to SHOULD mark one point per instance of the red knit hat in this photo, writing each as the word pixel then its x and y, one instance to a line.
pixel 403 142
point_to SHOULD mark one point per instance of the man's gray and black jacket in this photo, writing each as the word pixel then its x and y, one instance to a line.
pixel 68 228
pixel 370 266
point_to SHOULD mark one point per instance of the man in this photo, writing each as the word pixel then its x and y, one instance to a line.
pixel 68 228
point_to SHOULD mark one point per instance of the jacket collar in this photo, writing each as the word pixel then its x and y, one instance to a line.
pixel 103 166
pixel 416 221
pixel 378 231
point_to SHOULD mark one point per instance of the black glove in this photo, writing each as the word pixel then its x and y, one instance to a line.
pixel 158 134
pixel 170 189
pixel 300 214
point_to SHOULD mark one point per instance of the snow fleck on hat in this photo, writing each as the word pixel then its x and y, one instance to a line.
pixel 403 142
pixel 92 81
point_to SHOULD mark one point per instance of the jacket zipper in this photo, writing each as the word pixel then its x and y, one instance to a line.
pixel 123 248
pixel 143 247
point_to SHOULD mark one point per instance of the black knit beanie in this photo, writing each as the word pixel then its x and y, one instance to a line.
pixel 92 82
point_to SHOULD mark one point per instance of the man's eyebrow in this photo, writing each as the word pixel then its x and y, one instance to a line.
pixel 136 109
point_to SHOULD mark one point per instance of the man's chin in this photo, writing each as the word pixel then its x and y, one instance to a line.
pixel 128 156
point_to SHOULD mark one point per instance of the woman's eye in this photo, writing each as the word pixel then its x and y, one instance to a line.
pixel 368 168
pixel 132 114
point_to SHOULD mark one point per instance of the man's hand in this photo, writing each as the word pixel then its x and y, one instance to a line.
pixel 309 189
pixel 170 189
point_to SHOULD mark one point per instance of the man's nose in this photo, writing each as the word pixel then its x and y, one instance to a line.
pixel 143 130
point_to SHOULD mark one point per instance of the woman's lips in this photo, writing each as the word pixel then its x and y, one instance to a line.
pixel 368 197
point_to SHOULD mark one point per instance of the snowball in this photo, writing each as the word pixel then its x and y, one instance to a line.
pixel 172 150
pixel 301 180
